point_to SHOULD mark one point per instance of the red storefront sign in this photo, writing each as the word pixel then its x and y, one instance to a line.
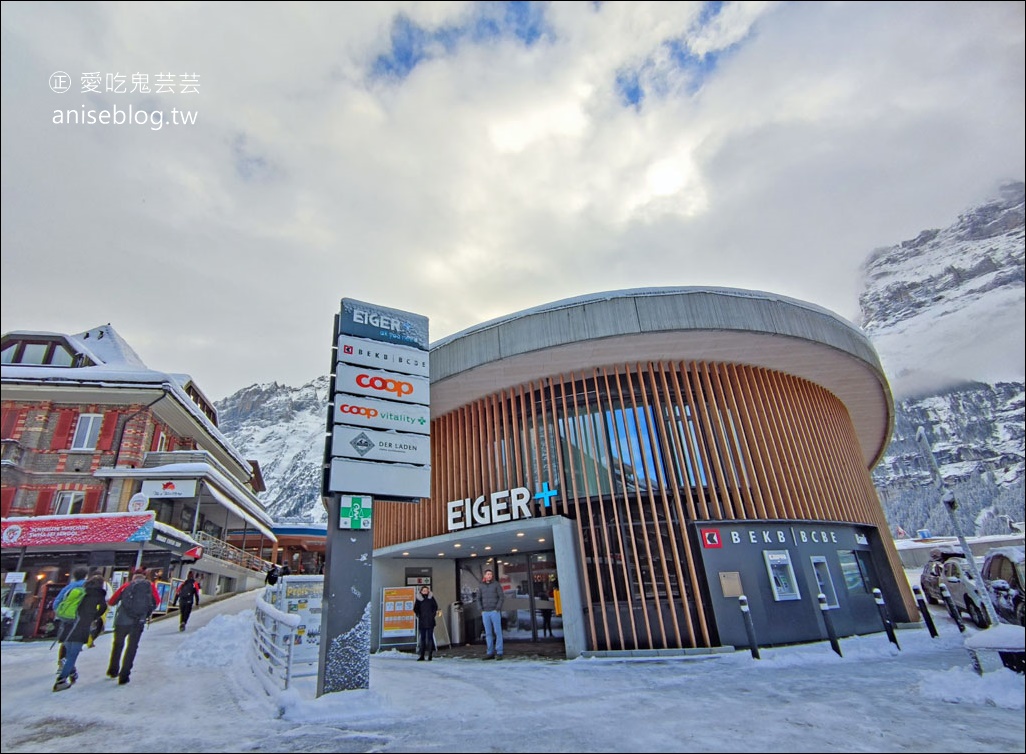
pixel 91 529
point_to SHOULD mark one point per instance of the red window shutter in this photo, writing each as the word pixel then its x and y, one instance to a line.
pixel 92 501
pixel 44 504
pixel 156 439
pixel 9 422
pixel 62 434
pixel 110 425
pixel 6 501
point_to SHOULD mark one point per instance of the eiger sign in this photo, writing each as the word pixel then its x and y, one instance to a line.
pixel 386 325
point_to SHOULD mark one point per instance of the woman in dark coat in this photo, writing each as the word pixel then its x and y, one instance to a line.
pixel 90 609
pixel 425 609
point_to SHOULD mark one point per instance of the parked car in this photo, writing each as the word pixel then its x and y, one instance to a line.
pixel 965 595
pixel 933 571
pixel 1002 572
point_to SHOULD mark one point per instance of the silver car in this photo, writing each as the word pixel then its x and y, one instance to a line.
pixel 964 593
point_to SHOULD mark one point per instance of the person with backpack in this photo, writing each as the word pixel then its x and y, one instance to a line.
pixel 136 601
pixel 91 606
pixel 188 591
pixel 272 576
pixel 65 608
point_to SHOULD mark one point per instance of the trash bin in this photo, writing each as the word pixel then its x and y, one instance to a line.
pixel 456 621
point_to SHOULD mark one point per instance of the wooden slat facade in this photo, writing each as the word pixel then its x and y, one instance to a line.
pixel 639 452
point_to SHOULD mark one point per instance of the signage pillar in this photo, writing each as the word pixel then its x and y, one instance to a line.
pixel 346 609
pixel 377 446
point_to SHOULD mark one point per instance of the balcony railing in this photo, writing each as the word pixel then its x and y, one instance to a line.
pixel 218 548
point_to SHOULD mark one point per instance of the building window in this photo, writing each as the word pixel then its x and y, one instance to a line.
pixel 852 570
pixel 87 431
pixel 161 443
pixel 826 584
pixel 37 353
pixel 68 503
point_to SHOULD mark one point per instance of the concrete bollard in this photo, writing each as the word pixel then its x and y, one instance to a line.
pixel 888 625
pixel 824 610
pixel 924 610
pixel 749 626
pixel 953 611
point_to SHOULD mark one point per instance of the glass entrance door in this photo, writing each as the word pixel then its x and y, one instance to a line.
pixel 530 583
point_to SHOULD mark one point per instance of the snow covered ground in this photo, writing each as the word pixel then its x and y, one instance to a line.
pixel 196 692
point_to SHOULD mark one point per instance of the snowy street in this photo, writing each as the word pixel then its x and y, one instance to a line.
pixel 195 691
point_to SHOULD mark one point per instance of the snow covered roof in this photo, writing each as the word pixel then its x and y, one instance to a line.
pixel 221 486
pixel 117 365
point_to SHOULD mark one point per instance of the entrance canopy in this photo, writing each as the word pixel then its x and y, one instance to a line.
pixel 524 535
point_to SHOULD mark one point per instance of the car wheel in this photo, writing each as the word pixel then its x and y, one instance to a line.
pixel 1020 614
pixel 976 613
pixel 930 599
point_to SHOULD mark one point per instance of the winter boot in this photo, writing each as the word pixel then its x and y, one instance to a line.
pixel 61 685
pixel 431 653
pixel 421 658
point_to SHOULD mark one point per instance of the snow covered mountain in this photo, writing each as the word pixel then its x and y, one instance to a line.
pixel 283 428
pixel 947 314
pixel 948 306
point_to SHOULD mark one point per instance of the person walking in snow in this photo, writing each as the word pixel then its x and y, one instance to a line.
pixel 80 631
pixel 78 580
pixel 187 593
pixel 272 576
pixel 136 600
pixel 425 609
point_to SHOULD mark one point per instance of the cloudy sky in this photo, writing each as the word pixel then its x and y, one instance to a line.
pixel 468 160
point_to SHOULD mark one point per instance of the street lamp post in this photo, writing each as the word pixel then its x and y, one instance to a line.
pixel 951 505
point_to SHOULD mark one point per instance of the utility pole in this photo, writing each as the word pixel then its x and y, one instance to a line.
pixel 951 505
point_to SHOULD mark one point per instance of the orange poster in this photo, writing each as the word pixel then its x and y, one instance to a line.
pixel 397 611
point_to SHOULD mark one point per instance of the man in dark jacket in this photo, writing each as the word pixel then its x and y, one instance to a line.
pixel 137 600
pixel 91 608
pixel 490 598
pixel 188 592
pixel 425 609
pixel 272 576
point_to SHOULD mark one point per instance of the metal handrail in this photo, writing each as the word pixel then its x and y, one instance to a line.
pixel 218 548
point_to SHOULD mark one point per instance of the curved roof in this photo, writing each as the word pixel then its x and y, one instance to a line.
pixel 670 324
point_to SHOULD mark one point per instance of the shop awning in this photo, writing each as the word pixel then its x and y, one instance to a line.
pixel 231 505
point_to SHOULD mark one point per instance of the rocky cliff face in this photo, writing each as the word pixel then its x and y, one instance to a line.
pixel 284 429
pixel 946 314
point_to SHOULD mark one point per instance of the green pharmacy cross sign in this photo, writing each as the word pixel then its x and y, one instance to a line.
pixel 355 512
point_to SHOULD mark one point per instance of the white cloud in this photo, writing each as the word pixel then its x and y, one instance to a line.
pixel 495 176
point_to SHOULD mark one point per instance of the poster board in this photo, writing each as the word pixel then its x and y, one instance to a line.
pixel 176 584
pixel 164 590
pixel 398 625
pixel 303 596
